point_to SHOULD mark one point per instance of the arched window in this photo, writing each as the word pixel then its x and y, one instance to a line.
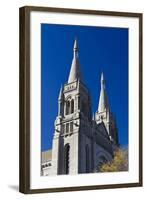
pixel 67 107
pixel 72 106
pixel 66 158
pixel 87 158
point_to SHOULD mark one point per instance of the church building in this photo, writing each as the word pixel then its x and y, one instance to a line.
pixel 81 142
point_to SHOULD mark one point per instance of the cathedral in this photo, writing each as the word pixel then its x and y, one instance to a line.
pixel 81 142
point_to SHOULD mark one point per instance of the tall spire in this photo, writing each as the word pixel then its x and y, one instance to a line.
pixel 103 100
pixel 75 68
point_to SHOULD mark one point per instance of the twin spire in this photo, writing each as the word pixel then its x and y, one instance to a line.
pixel 103 99
pixel 75 74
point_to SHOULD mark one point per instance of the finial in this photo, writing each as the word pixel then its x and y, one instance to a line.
pixel 60 93
pixel 93 118
pixel 78 85
pixel 75 45
pixel 75 49
pixel 102 81
pixel 102 77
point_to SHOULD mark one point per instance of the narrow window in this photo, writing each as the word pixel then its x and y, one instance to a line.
pixel 66 158
pixel 67 107
pixel 67 127
pixel 63 128
pixel 71 126
pixel 72 106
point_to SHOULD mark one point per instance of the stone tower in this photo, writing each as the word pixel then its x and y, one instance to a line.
pixel 81 143
pixel 72 146
pixel 103 114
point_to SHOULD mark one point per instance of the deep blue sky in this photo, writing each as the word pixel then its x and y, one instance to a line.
pixel 100 49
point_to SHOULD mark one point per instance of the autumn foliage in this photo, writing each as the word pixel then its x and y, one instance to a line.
pixel 119 162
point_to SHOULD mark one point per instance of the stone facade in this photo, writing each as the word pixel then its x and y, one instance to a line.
pixel 81 143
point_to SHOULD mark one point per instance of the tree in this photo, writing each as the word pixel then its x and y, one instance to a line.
pixel 119 162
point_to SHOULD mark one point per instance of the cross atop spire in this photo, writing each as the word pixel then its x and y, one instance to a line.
pixel 75 68
pixel 103 99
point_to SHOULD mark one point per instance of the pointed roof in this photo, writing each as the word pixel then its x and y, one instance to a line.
pixel 103 99
pixel 75 68
pixel 60 94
